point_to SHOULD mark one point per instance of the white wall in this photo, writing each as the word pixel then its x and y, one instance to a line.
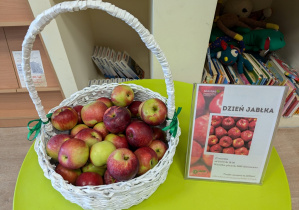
pixel 182 29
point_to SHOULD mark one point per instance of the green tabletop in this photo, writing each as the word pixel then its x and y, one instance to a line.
pixel 34 191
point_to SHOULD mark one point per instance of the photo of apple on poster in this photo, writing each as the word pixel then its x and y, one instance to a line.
pixel 258 103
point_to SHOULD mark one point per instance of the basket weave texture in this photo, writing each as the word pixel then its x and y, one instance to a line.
pixel 120 195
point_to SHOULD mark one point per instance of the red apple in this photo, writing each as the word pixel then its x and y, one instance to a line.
pixel 216 148
pixel 228 123
pixel 220 132
pixel 196 152
pixel 101 128
pixel 238 142
pixel 228 150
pixel 247 135
pixel 122 95
pixel 226 141
pixel 54 144
pixel 89 135
pixel 139 134
pixel 147 159
pixel 153 111
pixel 106 101
pixel 216 104
pixel 93 113
pixel 123 164
pixel 249 144
pixel 73 153
pixel 252 125
pixel 216 120
pixel 234 133
pixel 236 119
pixel 78 109
pixel 77 129
pixel 242 124
pixel 116 119
pixel 200 105
pixel 119 140
pixel 241 151
pixel 68 174
pixel 208 159
pixel 108 179
pixel 200 129
pixel 133 107
pixel 64 118
pixel 199 170
pixel 90 179
pixel 159 134
pixel 89 167
pixel 212 130
pixel 212 140
pixel 159 147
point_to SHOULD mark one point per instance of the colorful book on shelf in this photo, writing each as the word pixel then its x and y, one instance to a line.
pixel 101 56
pixel 256 70
pixel 219 77
pixel 106 58
pixel 265 74
pixel 254 73
pixel 225 77
pixel 288 102
pixel 111 60
pixel 97 62
pixel 251 77
pixel 230 76
pixel 234 75
pixel 128 66
pixel 285 68
pixel 210 66
pixel 120 67
pixel 281 78
pixel 293 107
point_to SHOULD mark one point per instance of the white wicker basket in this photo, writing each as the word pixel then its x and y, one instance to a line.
pixel 120 195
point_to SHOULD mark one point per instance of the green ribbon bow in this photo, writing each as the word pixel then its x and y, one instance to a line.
pixel 36 128
pixel 173 127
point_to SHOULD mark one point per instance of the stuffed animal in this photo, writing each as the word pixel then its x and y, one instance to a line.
pixel 254 40
pixel 231 55
pixel 235 14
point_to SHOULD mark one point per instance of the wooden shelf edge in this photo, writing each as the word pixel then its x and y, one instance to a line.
pixel 19 23
pixel 289 122
pixel 8 90
pixel 39 89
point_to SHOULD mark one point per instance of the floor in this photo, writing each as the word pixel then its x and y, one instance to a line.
pixel 14 147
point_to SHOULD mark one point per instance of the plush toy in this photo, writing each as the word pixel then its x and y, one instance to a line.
pixel 235 14
pixel 254 40
pixel 231 55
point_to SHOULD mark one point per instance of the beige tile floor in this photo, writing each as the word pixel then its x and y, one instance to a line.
pixel 14 147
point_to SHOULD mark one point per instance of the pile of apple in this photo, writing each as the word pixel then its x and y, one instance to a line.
pixel 109 140
pixel 231 135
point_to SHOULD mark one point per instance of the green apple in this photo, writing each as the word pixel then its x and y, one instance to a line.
pixel 89 167
pixel 99 152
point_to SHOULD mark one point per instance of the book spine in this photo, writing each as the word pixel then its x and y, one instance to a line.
pixel 293 107
pixel 218 73
pixel 288 103
pixel 280 77
pixel 134 66
pixel 124 65
pixel 244 79
pixel 98 64
pixel 112 64
pixel 109 67
pixel 120 67
pixel 100 57
pixel 233 74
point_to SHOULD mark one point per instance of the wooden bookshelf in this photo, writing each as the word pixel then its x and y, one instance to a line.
pixel 15 13
pixel 17 108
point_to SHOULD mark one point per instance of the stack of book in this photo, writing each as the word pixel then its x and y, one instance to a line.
pixel 114 64
pixel 270 71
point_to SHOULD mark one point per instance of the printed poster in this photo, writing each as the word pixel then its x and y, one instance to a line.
pixel 231 130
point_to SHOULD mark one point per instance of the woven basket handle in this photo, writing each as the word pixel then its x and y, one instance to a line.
pixel 45 18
